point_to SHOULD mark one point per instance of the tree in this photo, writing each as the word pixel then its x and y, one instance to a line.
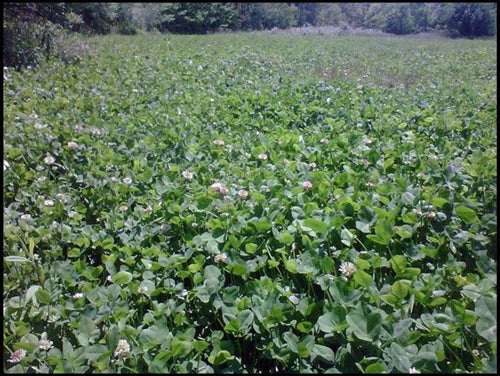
pixel 329 15
pixel 472 20
pixel 399 20
pixel 198 18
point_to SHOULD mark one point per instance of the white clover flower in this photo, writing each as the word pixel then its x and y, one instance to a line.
pixel 475 352
pixel 6 165
pixel 367 141
pixel 328 100
pixel 78 295
pixel 313 165
pixel 39 126
pixel 307 185
pixel 113 179
pixel 347 269
pixel 187 175
pixel 242 193
pixel 294 299
pixel 216 186
pixel 219 142
pixel 52 319
pixel 262 157
pixel 72 145
pixel 148 209
pixel 127 180
pixel 48 202
pixel 194 224
pixel 49 159
pixel 109 278
pixel 221 257
pixel 26 216
pixel 17 356
pixel 62 197
pixel 142 289
pixel 122 349
pixel 45 344
pixel 413 370
pixel 369 184
pixel 96 132
pixel 324 140
pixel 123 208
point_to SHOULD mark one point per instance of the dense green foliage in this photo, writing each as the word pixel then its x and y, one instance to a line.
pixel 32 29
pixel 353 227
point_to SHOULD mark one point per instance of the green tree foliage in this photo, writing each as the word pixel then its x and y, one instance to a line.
pixel 198 18
pixel 280 15
pixel 34 31
pixel 399 20
pixel 472 20
pixel 329 15
pixel 307 13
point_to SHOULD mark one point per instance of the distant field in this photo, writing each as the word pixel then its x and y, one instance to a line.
pixel 253 202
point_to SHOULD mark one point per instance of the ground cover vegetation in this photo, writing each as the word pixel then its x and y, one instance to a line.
pixel 252 203
pixel 34 31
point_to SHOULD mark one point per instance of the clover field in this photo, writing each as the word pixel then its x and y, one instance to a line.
pixel 252 203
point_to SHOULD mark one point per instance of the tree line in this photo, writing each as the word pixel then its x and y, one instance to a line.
pixel 31 30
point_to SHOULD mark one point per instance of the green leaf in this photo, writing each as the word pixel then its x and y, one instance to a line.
pixel 362 278
pixel 376 368
pixel 347 237
pixel 286 238
pixel 43 296
pixel 304 326
pixel 400 288
pixel 467 215
pixel 323 352
pixel 251 248
pixel 316 225
pixel 291 266
pixel 486 324
pixel 122 277
pixel 220 358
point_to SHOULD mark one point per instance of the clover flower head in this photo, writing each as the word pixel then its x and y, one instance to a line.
pixel 219 142
pixel 26 216
pixel 413 370
pixel 347 269
pixel 49 159
pixel 122 349
pixel 45 344
pixel 307 185
pixel 294 299
pixel 367 141
pixel 17 356
pixel 78 295
pixel 127 180
pixel 187 175
pixel 242 193
pixel 48 202
pixel 262 157
pixel 72 145
pixel 123 208
pixel 142 289
pixel 221 257
pixel 148 209
pixel 313 165
pixel 324 140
